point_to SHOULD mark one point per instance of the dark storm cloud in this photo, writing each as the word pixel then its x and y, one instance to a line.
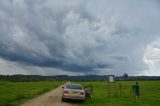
pixel 78 36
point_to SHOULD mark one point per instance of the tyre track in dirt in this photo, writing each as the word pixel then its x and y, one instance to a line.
pixel 52 98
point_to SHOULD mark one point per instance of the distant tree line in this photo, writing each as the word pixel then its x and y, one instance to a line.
pixel 36 78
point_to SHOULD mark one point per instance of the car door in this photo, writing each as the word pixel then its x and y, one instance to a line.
pixel 88 91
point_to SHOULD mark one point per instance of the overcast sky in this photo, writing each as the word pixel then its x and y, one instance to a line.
pixel 80 37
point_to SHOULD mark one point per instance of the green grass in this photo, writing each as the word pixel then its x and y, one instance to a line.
pixel 14 93
pixel 149 94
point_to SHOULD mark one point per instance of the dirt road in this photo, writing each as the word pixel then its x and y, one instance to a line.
pixel 52 98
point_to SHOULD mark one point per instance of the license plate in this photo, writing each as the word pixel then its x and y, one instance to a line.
pixel 74 92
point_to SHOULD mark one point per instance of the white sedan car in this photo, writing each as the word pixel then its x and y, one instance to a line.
pixel 73 91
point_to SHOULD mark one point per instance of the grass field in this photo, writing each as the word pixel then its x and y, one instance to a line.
pixel 14 93
pixel 149 95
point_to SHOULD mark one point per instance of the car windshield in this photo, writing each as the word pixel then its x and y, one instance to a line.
pixel 74 86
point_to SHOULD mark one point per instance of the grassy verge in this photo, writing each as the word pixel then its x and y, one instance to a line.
pixel 14 93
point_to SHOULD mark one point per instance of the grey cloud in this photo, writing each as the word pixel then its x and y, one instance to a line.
pixel 78 36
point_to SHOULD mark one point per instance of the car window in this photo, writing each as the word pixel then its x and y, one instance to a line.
pixel 71 86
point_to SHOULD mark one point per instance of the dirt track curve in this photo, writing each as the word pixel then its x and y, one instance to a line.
pixel 52 98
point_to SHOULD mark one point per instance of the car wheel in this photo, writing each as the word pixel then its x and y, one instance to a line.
pixel 63 100
pixel 82 101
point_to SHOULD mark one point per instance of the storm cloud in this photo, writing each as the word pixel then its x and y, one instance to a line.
pixel 78 36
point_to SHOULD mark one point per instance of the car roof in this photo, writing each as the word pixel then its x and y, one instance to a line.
pixel 74 84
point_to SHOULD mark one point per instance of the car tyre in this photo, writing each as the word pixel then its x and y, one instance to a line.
pixel 63 100
pixel 82 101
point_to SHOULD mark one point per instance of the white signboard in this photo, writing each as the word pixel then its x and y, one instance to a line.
pixel 110 78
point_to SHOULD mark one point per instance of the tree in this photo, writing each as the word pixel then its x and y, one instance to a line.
pixel 125 76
